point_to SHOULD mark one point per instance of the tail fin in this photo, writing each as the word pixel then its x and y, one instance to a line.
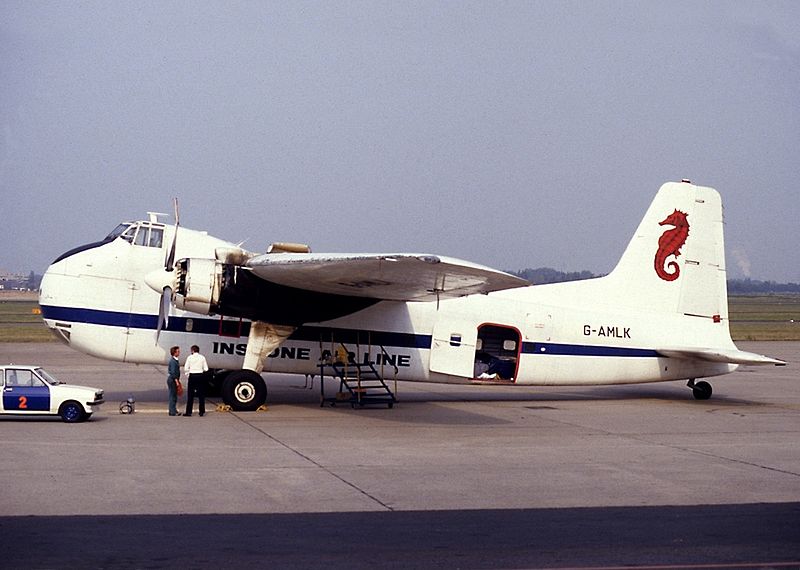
pixel 676 259
pixel 675 264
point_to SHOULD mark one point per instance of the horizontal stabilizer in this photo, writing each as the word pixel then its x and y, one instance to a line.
pixel 387 276
pixel 719 355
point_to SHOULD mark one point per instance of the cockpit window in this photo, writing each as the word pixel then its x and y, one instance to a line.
pixel 142 236
pixel 156 237
pixel 126 231
pixel 146 234
pixel 128 234
pixel 149 235
pixel 117 231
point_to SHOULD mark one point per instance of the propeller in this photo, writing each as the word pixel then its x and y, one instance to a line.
pixel 163 310
pixel 162 280
pixel 169 262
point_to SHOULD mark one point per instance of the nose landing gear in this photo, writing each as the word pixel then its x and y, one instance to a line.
pixel 700 390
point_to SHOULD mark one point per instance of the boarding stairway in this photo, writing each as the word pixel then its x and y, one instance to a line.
pixel 362 382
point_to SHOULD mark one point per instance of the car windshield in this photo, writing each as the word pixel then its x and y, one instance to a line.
pixel 47 377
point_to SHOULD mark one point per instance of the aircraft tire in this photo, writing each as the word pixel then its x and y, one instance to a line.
pixel 215 382
pixel 702 390
pixel 244 391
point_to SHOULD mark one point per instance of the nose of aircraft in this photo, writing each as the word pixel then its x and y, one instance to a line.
pixel 47 290
pixel 60 292
pixel 50 301
pixel 84 303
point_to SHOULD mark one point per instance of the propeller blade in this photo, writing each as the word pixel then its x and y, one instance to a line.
pixel 163 310
pixel 154 279
pixel 169 262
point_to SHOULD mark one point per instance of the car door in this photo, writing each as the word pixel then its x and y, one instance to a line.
pixel 24 391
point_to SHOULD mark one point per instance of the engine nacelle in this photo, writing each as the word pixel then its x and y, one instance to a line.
pixel 211 287
pixel 198 285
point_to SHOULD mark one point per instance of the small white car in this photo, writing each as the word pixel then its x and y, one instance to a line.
pixel 30 390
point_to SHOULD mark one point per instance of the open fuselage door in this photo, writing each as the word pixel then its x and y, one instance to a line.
pixel 453 345
pixel 497 352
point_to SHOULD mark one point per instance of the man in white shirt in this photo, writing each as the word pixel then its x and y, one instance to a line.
pixel 196 368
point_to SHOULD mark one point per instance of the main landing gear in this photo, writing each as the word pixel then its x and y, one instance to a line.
pixel 244 390
pixel 700 390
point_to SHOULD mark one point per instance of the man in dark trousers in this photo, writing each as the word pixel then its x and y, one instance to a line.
pixel 173 378
pixel 196 368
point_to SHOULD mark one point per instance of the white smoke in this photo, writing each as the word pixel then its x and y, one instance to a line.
pixel 742 261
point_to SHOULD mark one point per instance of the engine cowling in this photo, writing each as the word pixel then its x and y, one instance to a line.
pixel 198 285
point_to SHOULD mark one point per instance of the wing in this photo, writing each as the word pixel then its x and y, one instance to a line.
pixel 388 276
pixel 720 355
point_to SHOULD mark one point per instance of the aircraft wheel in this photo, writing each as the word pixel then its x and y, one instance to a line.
pixel 701 390
pixel 244 391
pixel 215 382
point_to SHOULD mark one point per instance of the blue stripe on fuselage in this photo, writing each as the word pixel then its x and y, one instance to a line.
pixel 554 349
pixel 97 317
pixel 321 334
pixel 211 326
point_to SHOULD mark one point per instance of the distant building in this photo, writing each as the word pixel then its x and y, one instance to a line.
pixel 19 281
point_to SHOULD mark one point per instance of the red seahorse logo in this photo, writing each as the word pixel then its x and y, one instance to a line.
pixel 670 243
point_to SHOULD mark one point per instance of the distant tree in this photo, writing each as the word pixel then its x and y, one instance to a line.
pixel 753 286
pixel 542 275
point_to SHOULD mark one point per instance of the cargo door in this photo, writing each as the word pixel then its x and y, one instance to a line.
pixel 497 352
pixel 453 345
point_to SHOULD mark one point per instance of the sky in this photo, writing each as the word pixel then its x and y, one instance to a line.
pixel 511 134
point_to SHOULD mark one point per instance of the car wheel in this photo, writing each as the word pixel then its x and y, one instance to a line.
pixel 71 412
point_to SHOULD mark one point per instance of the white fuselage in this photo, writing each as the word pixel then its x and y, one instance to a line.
pixel 561 334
